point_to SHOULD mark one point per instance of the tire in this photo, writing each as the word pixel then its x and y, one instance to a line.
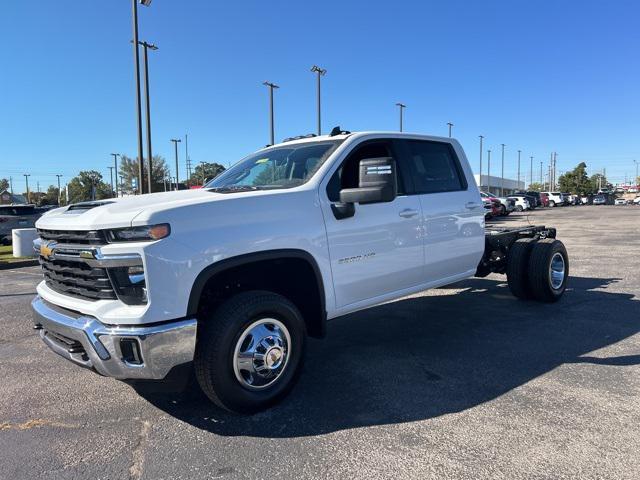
pixel 517 268
pixel 552 203
pixel 220 341
pixel 546 282
pixel 519 208
pixel 503 211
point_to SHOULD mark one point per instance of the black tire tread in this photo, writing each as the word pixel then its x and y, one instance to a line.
pixel 517 266
pixel 224 318
pixel 539 269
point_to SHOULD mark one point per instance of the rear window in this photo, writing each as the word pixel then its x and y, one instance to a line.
pixel 435 166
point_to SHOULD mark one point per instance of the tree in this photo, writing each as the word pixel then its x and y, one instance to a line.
pixel 576 181
pixel 205 171
pixel 51 197
pixel 597 182
pixel 129 171
pixel 88 185
pixel 4 184
pixel 536 187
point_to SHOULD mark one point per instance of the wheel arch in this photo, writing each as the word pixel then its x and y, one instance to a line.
pixel 313 307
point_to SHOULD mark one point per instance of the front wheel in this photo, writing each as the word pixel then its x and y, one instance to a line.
pixel 519 208
pixel 552 203
pixel 249 351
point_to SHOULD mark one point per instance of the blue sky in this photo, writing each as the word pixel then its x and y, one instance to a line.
pixel 538 76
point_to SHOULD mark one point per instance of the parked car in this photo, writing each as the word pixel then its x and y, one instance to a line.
pixel 488 208
pixel 544 199
pixel 632 190
pixel 16 216
pixel 620 201
pixel 599 200
pixel 135 288
pixel 636 201
pixel 532 197
pixel 522 203
pixel 555 198
pixel 584 200
pixel 505 205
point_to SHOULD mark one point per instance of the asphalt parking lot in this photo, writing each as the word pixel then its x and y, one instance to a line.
pixel 458 382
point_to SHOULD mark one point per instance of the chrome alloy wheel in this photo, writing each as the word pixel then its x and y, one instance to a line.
pixel 556 271
pixel 261 353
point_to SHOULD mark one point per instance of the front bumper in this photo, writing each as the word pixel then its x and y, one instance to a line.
pixel 122 352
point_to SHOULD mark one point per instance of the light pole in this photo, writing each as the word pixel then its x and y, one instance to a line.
pixel 480 177
pixel 635 181
pixel 115 166
pixel 320 73
pixel 147 47
pixel 271 86
pixel 175 143
pixel 450 127
pixel 401 106
pixel 111 174
pixel 541 174
pixel 136 60
pixel 531 174
pixel 186 158
pixel 502 173
pixel 488 171
pixel 59 192
pixel 26 179
pixel 519 168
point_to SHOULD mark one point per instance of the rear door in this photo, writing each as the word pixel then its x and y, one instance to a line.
pixel 378 250
pixel 453 214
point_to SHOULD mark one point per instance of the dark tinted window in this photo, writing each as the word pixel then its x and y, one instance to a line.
pixel 435 167
pixel 348 175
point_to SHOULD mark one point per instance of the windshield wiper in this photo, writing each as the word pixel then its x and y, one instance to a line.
pixel 234 188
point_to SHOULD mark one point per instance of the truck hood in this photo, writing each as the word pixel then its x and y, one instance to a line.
pixel 120 212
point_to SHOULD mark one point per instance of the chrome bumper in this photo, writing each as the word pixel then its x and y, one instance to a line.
pixel 126 352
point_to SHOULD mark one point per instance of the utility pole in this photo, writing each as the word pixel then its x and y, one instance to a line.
pixel 136 61
pixel 175 143
pixel 115 166
pixel 502 174
pixel 450 127
pixel 271 86
pixel 519 168
pixel 148 46
pixel 26 179
pixel 11 185
pixel 111 174
pixel 59 191
pixel 480 176
pixel 635 180
pixel 320 73
pixel 401 106
pixel 121 183
pixel 488 171
pixel 541 174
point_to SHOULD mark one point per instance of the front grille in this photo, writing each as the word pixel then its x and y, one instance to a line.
pixel 77 279
pixel 74 237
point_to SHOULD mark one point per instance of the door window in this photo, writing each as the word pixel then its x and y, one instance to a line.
pixel 348 175
pixel 435 167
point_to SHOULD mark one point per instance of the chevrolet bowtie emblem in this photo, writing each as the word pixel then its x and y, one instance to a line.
pixel 46 249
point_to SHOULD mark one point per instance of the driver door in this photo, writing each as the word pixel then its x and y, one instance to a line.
pixel 379 250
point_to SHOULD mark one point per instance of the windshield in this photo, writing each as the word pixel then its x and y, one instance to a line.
pixel 280 167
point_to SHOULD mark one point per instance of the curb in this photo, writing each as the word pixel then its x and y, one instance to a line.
pixel 19 264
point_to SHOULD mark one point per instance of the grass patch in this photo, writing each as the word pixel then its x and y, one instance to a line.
pixel 6 255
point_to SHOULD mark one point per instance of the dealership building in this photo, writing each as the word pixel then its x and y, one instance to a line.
pixel 494 185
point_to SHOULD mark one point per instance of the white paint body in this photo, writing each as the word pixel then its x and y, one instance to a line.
pixel 440 243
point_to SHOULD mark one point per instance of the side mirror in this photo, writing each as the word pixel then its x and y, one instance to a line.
pixel 378 182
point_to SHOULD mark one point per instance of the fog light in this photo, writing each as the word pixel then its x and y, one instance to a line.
pixel 129 284
pixel 130 349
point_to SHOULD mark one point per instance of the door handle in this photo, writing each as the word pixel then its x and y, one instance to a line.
pixel 408 213
pixel 471 205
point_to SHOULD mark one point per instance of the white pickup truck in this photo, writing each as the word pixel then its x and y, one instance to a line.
pixel 230 279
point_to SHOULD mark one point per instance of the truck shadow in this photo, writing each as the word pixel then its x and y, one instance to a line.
pixel 422 357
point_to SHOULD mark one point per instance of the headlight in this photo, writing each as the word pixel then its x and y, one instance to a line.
pixel 139 234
